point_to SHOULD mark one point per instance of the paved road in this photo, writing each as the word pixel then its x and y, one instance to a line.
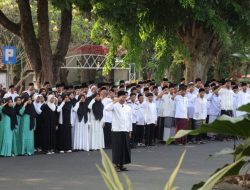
pixel 77 171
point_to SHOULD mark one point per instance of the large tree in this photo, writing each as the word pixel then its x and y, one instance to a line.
pixel 37 43
pixel 198 29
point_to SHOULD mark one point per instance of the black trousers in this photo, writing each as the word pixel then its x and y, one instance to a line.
pixel 107 135
pixel 227 112
pixel 121 153
pixel 224 112
pixel 191 127
pixel 160 131
pixel 139 133
pixel 133 136
pixel 149 134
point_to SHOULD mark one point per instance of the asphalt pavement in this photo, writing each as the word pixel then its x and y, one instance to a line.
pixel 149 170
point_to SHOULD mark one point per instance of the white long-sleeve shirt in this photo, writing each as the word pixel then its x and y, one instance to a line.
pixel 226 98
pixel 107 114
pixel 242 98
pixel 140 119
pixel 121 118
pixel 134 108
pixel 167 105
pixel 150 113
pixel 181 107
pixel 72 114
pixel 200 108
pixel 208 97
pixel 215 105
pixel 191 96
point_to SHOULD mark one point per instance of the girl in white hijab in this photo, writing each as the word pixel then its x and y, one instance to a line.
pixel 38 132
pixel 49 119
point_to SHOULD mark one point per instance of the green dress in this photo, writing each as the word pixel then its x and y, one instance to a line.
pixel 27 135
pixel 17 139
pixel 6 135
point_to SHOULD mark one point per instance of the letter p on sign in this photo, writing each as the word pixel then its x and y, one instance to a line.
pixel 9 55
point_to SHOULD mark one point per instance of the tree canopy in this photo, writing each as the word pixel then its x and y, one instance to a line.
pixel 155 34
pixel 197 29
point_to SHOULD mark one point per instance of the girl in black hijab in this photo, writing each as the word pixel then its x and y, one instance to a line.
pixel 82 111
pixel 81 129
pixel 8 123
pixel 9 110
pixel 96 123
pixel 17 148
pixel 65 121
pixel 30 110
pixel 97 108
pixel 27 125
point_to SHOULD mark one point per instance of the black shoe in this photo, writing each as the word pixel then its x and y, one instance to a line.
pixel 123 169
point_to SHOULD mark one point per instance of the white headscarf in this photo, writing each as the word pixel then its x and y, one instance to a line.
pixel 90 93
pixel 37 105
pixel 52 106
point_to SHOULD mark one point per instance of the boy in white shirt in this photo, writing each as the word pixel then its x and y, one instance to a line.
pixel 200 112
pixel 134 107
pixel 167 112
pixel 140 121
pixel 214 109
pixel 215 105
pixel 150 119
pixel 181 112
pixel 243 98
pixel 226 94
pixel 236 91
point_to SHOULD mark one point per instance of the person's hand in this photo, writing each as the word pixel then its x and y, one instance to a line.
pixel 130 135
pixel 116 100
pixel 25 104
pixel 42 99
pixel 161 94
pixel 56 101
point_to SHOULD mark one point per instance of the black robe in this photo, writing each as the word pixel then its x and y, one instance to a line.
pixel 38 131
pixel 121 153
pixel 49 123
pixel 64 133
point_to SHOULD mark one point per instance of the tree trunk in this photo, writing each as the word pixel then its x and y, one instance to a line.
pixel 63 42
pixel 197 67
pixel 44 40
pixel 45 65
pixel 29 38
pixel 203 47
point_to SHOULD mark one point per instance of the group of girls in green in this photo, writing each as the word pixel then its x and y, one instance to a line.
pixel 17 123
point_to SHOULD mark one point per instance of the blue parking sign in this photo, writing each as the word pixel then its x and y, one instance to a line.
pixel 9 55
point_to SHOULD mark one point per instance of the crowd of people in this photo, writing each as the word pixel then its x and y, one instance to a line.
pixel 81 118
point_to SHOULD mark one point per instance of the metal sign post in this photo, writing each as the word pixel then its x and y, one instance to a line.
pixel 9 58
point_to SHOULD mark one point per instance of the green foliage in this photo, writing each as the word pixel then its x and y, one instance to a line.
pixel 217 176
pixel 236 127
pixel 187 3
pixel 158 23
pixel 110 176
pixel 113 181
pixel 223 125
pixel 169 184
